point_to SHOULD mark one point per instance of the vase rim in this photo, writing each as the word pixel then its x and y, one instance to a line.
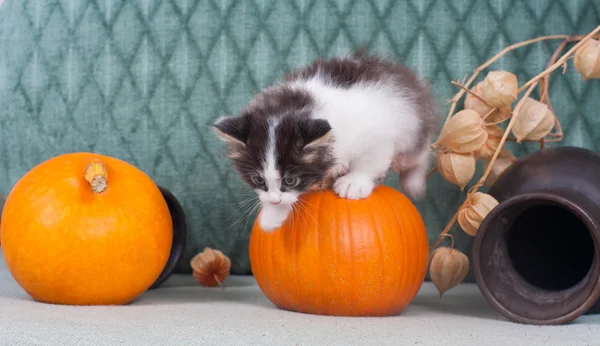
pixel 179 242
pixel 545 198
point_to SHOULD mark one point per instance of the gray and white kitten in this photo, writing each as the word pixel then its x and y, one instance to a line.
pixel 346 119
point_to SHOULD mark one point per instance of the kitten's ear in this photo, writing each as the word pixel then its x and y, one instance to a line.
pixel 233 129
pixel 314 132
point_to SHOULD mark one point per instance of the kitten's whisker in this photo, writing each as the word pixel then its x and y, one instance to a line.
pixel 257 204
pixel 251 199
pixel 245 214
pixel 247 217
pixel 240 218
pixel 295 215
pixel 310 204
pixel 243 202
pixel 239 204
pixel 298 208
pixel 232 216
pixel 306 211
pixel 305 202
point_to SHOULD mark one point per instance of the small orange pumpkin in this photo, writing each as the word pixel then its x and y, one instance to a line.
pixel 343 257
pixel 85 229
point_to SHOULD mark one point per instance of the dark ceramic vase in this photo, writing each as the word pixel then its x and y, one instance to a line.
pixel 179 237
pixel 536 256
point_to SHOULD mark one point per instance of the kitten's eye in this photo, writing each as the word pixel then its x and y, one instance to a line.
pixel 258 180
pixel 291 181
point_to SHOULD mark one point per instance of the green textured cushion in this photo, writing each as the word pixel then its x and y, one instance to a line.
pixel 142 81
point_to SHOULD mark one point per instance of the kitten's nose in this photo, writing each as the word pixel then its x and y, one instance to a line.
pixel 274 198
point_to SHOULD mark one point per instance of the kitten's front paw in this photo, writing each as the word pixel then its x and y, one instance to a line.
pixel 354 186
pixel 273 216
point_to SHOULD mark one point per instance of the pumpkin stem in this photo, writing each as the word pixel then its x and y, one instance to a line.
pixel 97 175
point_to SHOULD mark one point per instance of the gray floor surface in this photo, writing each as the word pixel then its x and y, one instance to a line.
pixel 183 313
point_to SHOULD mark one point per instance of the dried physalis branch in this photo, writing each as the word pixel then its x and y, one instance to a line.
pixel 463 133
pixel 502 163
pixel 447 268
pixel 479 106
pixel 474 210
pixel 456 168
pixel 488 149
pixel 499 88
pixel 587 59
pixel 210 267
pixel 534 122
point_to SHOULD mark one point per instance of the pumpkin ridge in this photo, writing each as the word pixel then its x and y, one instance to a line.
pixel 289 300
pixel 400 239
pixel 417 226
pixel 342 203
pixel 262 244
pixel 425 245
pixel 319 243
pixel 295 235
pixel 255 260
pixel 378 236
pixel 349 213
pixel 276 269
pixel 412 249
pixel 335 242
pixel 272 286
pixel 405 241
pixel 425 259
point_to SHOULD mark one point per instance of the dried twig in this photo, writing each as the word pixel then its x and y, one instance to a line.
pixel 447 229
pixel 472 93
pixel 545 85
pixel 433 170
pixel 489 113
pixel 545 95
pixel 493 59
pixel 560 61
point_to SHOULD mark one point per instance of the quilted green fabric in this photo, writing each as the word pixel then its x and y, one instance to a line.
pixel 142 80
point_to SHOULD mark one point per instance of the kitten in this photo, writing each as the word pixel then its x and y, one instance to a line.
pixel 346 119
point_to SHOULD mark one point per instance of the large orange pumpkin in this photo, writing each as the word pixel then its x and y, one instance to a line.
pixel 85 229
pixel 343 257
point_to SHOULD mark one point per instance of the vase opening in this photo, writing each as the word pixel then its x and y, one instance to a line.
pixel 550 246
